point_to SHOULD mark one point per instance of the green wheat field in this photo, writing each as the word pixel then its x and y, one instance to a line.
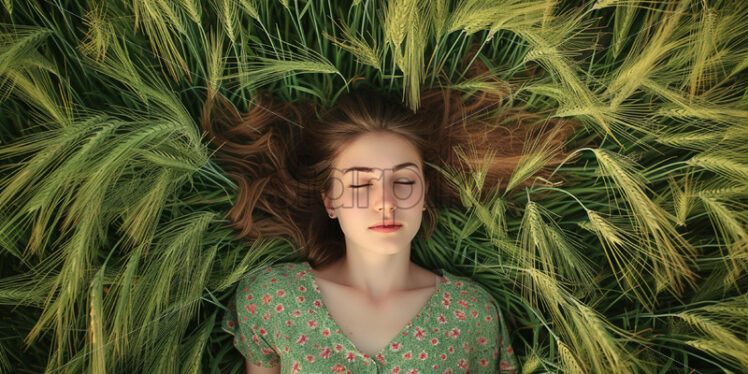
pixel 114 256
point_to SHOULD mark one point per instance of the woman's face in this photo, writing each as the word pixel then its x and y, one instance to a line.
pixel 377 180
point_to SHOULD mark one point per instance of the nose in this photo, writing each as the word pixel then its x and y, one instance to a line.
pixel 385 199
pixel 387 203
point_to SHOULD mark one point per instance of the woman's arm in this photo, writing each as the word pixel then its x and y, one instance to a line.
pixel 254 369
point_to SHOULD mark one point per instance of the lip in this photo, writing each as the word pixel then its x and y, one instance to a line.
pixel 386 222
pixel 386 229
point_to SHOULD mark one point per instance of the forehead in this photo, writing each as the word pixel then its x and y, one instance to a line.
pixel 381 151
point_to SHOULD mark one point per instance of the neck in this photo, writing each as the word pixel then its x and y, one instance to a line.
pixel 376 275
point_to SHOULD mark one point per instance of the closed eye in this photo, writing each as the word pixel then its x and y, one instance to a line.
pixel 369 184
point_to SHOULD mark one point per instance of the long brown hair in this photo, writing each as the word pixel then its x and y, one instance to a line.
pixel 281 154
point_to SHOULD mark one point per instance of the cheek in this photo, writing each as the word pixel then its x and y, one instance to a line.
pixel 410 196
pixel 355 199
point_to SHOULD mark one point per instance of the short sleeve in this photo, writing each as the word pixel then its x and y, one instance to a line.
pixel 251 337
pixel 497 354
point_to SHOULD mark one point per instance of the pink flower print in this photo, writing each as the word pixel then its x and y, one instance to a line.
pixel 489 318
pixel 458 284
pixel 483 362
pixel 251 308
pixel 300 299
pixel 474 313
pixel 441 319
pixel 326 332
pixel 302 339
pixel 413 371
pixel 280 293
pixel 296 367
pixel 446 303
pixel 380 357
pixel 266 299
pixel 451 349
pixel 339 369
pixel 462 363
pixel 318 303
pixel 309 358
pixel 482 340
pixel 230 323
pixel 288 323
pixel 263 331
pixel 297 312
pixel 312 324
pixel 246 289
pixel 243 338
pixel 338 347
pixel 279 308
pixel 423 355
pixel 466 347
pixel 408 355
pixel 447 295
pixel 504 364
pixel 273 280
pixel 325 353
pixel 509 350
pixel 254 339
pixel 464 303
pixel 454 333
pixel 463 293
pixel 266 350
pixel 394 347
pixel 302 288
pixel 443 356
pixel 250 297
pixel 473 298
pixel 266 316
pixel 396 370
pixel 419 333
pixel 350 356
pixel 434 341
pixel 460 315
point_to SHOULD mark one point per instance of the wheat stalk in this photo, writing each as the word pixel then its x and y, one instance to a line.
pixel 571 364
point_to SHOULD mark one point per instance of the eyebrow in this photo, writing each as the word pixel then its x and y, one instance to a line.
pixel 369 170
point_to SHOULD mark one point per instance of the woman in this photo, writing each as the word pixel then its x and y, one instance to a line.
pixel 351 193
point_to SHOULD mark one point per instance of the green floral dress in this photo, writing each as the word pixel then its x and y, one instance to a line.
pixel 278 318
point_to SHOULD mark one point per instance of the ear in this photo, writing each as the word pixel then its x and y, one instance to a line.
pixel 324 199
pixel 425 192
